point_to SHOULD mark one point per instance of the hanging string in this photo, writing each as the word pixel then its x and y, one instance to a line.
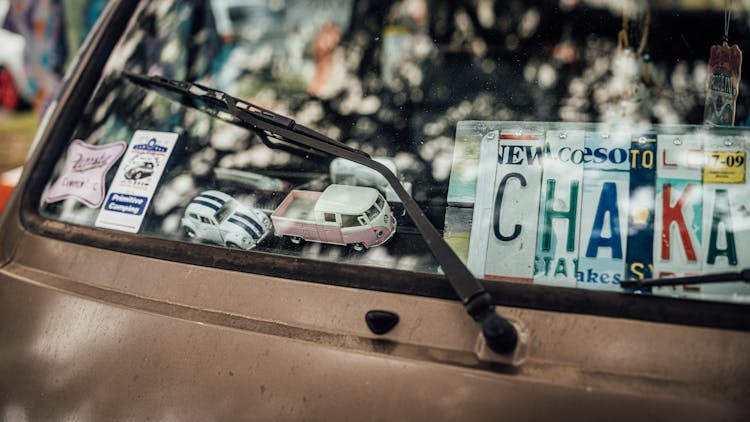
pixel 623 36
pixel 727 19
pixel 643 44
pixel 644 34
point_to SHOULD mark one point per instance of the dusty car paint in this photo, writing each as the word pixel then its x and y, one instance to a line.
pixel 138 337
pixel 94 334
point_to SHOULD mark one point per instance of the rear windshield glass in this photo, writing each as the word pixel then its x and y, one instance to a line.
pixel 572 143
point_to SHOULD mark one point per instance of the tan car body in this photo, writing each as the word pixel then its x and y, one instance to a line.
pixel 88 333
pixel 101 335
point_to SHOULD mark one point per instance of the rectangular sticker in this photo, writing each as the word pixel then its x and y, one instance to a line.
pixel 560 210
pixel 726 167
pixel 606 193
pixel 507 206
pixel 136 180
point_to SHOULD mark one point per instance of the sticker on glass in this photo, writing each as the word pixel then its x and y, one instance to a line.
pixel 727 167
pixel 84 171
pixel 136 180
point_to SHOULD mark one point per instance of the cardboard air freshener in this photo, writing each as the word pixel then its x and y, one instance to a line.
pixel 722 88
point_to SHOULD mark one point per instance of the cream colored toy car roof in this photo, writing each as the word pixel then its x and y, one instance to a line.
pixel 346 199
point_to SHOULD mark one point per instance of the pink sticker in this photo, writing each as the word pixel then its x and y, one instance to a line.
pixel 82 177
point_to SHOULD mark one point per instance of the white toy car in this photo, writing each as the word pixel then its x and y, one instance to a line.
pixel 216 217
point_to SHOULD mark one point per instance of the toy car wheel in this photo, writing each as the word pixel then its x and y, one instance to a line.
pixel 359 247
pixel 9 97
pixel 233 245
pixel 190 232
pixel 296 240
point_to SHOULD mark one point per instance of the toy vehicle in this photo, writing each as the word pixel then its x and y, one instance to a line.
pixel 347 172
pixel 216 217
pixel 341 214
pixel 142 169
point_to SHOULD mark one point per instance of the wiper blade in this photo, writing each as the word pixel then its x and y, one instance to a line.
pixel 727 277
pixel 233 110
pixel 500 335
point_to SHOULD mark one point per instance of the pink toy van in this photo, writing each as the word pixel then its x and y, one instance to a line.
pixel 342 215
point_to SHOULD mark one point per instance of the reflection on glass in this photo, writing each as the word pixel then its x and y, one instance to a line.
pixel 421 89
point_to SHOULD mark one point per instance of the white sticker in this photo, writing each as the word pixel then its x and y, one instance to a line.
pixel 136 180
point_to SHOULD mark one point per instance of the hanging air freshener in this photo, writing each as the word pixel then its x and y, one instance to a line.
pixel 722 87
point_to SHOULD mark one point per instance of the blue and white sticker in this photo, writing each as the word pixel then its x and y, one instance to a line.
pixel 136 180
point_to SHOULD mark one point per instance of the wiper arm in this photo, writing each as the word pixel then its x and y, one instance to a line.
pixel 500 335
pixel 727 277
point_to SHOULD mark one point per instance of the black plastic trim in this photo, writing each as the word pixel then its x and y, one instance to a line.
pixel 556 299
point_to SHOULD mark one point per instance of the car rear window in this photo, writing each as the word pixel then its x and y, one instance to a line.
pixel 572 144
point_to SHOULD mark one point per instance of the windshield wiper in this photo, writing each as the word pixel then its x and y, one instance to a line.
pixel 727 277
pixel 500 335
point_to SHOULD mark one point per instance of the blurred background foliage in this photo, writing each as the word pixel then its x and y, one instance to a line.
pixel 390 66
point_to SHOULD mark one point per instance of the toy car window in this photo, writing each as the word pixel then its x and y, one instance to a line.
pixel 349 220
pixel 593 142
pixel 372 213
pixel 380 202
